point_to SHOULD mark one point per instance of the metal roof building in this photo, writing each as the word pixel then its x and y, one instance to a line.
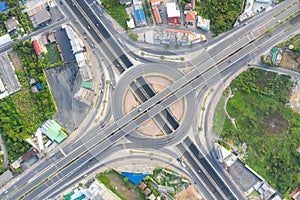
pixel 6 176
pixel 36 45
pixel 5 39
pixel 53 130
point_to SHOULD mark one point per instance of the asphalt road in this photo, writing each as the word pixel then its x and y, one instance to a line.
pixel 127 128
pixel 146 105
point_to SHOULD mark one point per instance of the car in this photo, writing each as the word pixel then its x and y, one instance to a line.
pixel 102 90
pixel 179 159
pixel 85 175
pixel 137 59
pixel 97 24
pixel 139 110
pixel 245 24
pixel 102 77
pixel 279 21
pixel 6 192
pixel 84 37
pixel 76 22
pixel 229 61
pixel 100 15
pixel 89 27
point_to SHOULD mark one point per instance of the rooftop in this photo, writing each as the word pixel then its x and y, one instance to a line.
pixel 53 130
pixel 40 17
pixel 172 10
pixel 190 16
pixel 11 24
pixel 203 23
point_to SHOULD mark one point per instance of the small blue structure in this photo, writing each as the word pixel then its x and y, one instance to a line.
pixel 134 178
pixel 3 6
pixel 39 86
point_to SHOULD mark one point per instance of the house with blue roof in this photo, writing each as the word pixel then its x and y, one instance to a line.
pixel 140 19
pixel 3 6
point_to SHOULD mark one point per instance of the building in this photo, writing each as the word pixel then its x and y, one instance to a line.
pixel 5 39
pixel 156 14
pixel 142 186
pixel 36 46
pixel 76 43
pixel 5 177
pixel 130 23
pixel 11 25
pixel 147 192
pixel 39 16
pixel 173 14
pixel 202 23
pixel 140 19
pixel 3 6
pixel 155 2
pixel 125 2
pixel 190 18
pixel 54 131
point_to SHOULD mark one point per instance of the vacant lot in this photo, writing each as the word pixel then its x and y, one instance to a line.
pixel 270 130
pixel 291 60
pixel 52 55
pixel 116 10
pixel 65 81
pixel 120 185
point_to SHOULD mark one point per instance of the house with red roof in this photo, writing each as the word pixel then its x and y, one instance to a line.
pixel 190 18
pixel 36 46
pixel 173 14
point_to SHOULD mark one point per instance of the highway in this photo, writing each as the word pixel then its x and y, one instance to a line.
pixel 160 97
pixel 100 148
pixel 118 52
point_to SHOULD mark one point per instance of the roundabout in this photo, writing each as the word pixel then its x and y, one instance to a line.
pixel 151 133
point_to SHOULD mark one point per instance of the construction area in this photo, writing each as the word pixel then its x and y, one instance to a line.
pixel 294 102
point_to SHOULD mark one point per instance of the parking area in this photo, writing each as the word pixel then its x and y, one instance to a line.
pixel 65 81
pixel 243 176
pixel 8 76
pixel 56 15
pixel 65 45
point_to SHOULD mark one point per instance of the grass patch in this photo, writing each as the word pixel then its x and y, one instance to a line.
pixel 116 10
pixel 270 129
pixel 219 116
pixel 52 55
pixel 120 185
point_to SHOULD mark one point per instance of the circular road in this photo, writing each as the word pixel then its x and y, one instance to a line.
pixel 152 70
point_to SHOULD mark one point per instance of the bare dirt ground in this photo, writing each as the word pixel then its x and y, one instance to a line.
pixel 64 82
pixel 291 60
pixel 15 59
pixel 275 124
pixel 190 193
pixel 158 83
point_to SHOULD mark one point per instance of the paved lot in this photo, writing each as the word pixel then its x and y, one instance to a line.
pixel 242 176
pixel 8 76
pixel 56 15
pixel 65 81
pixel 64 43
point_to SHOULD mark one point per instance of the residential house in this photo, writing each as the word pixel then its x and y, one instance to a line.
pixel 140 19
pixel 190 18
pixel 11 25
pixel 202 23
pixel 173 14
pixel 125 2
pixel 147 192
pixel 142 186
